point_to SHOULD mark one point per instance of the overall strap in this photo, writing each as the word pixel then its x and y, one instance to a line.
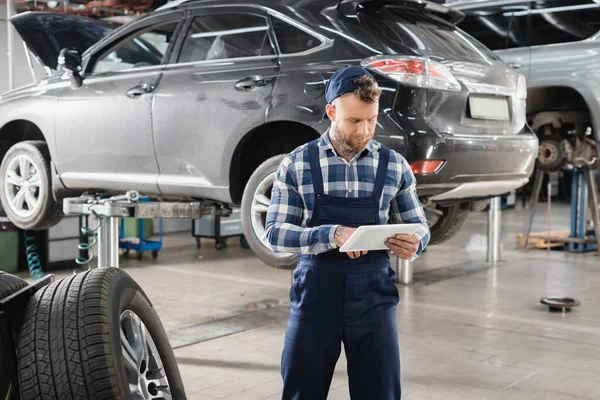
pixel 384 160
pixel 315 167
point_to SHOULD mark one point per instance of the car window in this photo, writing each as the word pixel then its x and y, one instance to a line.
pixel 226 36
pixel 563 21
pixel 146 48
pixel 497 29
pixel 401 31
pixel 292 39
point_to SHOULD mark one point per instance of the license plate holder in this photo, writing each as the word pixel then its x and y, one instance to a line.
pixel 489 108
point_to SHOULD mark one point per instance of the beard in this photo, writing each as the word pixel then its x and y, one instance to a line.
pixel 345 144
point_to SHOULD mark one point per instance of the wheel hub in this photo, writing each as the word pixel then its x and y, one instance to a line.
pixel 145 373
pixel 22 186
pixel 548 153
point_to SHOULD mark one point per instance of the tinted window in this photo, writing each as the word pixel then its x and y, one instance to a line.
pixel 402 31
pixel 217 37
pixel 292 39
pixel 564 21
pixel 497 30
pixel 146 48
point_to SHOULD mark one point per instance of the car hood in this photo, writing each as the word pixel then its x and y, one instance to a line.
pixel 47 33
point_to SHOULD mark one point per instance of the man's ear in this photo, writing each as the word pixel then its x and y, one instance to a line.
pixel 330 112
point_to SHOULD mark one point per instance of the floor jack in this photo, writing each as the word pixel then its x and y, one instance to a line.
pixel 108 211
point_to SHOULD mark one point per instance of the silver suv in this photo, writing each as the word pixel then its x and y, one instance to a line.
pixel 555 44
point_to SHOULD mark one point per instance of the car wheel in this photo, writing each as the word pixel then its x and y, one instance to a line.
pixel 9 284
pixel 95 335
pixel 26 192
pixel 445 221
pixel 255 204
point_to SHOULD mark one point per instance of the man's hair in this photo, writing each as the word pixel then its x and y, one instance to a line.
pixel 367 91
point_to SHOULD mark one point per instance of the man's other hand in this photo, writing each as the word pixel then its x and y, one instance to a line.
pixel 404 246
pixel 342 233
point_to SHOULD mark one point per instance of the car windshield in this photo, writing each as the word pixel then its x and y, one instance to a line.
pixel 403 29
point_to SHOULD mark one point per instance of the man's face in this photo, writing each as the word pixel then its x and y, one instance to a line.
pixel 353 121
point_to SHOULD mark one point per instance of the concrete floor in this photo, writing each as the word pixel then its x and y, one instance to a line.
pixel 467 330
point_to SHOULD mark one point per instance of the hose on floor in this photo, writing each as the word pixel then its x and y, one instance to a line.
pixel 34 264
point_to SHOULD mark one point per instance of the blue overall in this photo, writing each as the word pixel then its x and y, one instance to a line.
pixel 337 299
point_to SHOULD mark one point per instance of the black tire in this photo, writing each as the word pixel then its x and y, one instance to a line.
pixel 276 260
pixel 220 244
pixel 69 346
pixel 9 284
pixel 49 213
pixel 450 223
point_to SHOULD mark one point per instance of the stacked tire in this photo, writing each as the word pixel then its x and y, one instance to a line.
pixel 95 335
pixel 9 284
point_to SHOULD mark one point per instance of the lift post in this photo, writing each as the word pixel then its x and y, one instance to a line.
pixel 110 210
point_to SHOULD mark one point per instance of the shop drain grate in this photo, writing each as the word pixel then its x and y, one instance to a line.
pixel 189 335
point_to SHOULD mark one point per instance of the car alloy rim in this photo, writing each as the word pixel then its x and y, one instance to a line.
pixel 23 186
pixel 260 206
pixel 259 209
pixel 144 370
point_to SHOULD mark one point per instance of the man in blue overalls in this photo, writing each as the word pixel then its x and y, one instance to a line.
pixel 322 192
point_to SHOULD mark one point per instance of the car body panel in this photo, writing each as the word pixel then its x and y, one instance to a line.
pixel 196 92
pixel 577 69
pixel 124 126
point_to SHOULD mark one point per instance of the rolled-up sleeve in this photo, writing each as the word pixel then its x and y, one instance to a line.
pixel 284 230
pixel 406 207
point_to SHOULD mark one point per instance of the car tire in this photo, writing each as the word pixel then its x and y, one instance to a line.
pixel 72 342
pixel 9 284
pixel 255 202
pixel 449 223
pixel 43 213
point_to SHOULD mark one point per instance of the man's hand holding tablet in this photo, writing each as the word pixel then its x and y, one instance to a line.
pixel 342 234
pixel 399 238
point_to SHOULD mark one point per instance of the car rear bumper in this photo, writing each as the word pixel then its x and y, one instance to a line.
pixel 474 166
pixel 477 190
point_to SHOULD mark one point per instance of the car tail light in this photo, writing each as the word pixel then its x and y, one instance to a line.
pixel 426 167
pixel 414 71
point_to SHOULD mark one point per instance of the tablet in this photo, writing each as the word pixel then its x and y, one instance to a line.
pixel 373 237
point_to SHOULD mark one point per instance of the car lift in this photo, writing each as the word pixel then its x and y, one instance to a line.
pixel 583 182
pixel 110 210
pixel 405 270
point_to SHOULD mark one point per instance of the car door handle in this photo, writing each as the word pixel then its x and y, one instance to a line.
pixel 140 90
pixel 251 82
pixel 514 65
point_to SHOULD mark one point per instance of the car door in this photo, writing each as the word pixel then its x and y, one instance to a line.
pixel 502 28
pixel 217 88
pixel 104 127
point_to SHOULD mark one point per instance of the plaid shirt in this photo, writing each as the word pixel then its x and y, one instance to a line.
pixel 292 199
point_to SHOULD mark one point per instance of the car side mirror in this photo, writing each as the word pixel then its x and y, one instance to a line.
pixel 69 59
